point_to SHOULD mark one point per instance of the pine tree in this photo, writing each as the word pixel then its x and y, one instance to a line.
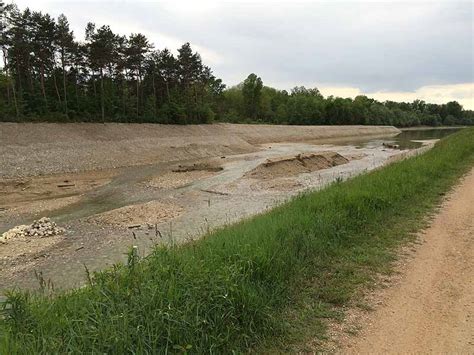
pixel 64 40
pixel 102 52
pixel 136 52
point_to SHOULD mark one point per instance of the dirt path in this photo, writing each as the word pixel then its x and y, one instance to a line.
pixel 430 309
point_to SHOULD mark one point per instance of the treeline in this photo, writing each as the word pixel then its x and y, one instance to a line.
pixel 252 101
pixel 48 75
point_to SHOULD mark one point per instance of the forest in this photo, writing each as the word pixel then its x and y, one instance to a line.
pixel 49 75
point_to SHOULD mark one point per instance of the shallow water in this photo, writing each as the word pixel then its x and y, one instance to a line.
pixel 413 138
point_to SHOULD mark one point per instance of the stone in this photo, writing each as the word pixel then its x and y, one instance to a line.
pixel 44 227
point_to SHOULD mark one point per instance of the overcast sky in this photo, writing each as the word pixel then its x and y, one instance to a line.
pixel 387 50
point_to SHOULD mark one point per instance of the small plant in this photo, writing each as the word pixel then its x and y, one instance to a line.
pixel 133 257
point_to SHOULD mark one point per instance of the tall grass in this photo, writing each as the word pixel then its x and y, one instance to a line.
pixel 248 284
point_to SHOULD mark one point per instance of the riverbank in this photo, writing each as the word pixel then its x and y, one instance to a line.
pixel 273 279
pixel 30 149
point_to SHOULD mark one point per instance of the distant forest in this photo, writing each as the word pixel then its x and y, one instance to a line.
pixel 47 75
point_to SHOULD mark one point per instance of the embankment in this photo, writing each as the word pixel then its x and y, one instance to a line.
pixel 44 148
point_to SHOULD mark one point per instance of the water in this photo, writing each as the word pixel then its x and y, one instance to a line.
pixel 411 138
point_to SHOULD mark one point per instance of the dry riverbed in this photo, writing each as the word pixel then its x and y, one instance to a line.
pixel 160 196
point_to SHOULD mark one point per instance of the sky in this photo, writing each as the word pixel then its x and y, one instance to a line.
pixel 388 50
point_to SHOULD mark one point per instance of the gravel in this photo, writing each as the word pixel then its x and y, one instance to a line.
pixel 30 149
pixel 41 228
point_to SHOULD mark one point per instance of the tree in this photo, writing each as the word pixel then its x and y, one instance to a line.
pixel 5 43
pixel 136 51
pixel 18 50
pixel 122 78
pixel 301 90
pixel 167 68
pixel 252 93
pixel 454 109
pixel 102 52
pixel 64 40
pixel 44 33
pixel 189 70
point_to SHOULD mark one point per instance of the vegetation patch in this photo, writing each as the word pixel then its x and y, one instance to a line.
pixel 272 279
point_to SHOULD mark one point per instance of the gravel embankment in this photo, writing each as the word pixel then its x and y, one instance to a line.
pixel 28 149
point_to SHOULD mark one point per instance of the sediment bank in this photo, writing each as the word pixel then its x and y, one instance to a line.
pixel 28 149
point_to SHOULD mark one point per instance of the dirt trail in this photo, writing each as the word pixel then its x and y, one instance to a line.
pixel 430 309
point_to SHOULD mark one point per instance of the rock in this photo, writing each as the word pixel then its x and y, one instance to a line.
pixel 391 145
pixel 44 227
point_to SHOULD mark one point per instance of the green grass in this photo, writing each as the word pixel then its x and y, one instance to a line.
pixel 272 279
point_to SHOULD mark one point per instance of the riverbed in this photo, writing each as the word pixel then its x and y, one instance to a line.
pixel 106 211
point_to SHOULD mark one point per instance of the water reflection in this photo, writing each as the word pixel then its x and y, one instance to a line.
pixel 412 138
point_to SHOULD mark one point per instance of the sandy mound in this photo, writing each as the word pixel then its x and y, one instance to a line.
pixel 14 191
pixel 152 212
pixel 302 163
pixel 43 206
pixel 182 175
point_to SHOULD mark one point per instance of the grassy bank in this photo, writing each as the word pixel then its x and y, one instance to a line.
pixel 262 280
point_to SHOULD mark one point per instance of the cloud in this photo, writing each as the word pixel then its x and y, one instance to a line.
pixel 165 40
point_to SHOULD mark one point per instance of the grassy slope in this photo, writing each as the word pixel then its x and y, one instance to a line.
pixel 257 281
